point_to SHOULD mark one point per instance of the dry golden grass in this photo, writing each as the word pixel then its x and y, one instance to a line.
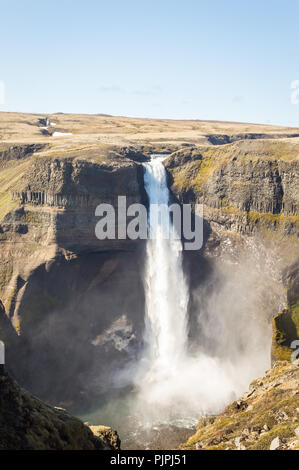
pixel 111 130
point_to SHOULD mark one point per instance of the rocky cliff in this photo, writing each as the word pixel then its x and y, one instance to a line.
pixel 244 186
pixel 54 271
pixel 250 197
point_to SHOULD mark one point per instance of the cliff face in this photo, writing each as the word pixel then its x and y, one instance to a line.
pixel 52 197
pixel 48 211
pixel 250 197
pixel 55 272
pixel 242 185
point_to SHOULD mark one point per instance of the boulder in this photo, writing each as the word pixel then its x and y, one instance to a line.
pixel 275 444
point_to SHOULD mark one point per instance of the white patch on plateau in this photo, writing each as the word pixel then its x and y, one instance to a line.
pixel 61 134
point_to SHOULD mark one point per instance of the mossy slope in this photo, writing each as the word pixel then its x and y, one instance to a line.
pixel 267 411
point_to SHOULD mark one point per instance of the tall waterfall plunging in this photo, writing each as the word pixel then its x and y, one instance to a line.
pixel 173 383
pixel 167 372
pixel 166 290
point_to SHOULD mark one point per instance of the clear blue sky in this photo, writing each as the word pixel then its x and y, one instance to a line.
pixel 227 60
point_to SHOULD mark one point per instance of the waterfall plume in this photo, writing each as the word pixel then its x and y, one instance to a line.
pixel 173 381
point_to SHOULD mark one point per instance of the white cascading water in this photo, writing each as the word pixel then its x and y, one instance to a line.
pixel 165 285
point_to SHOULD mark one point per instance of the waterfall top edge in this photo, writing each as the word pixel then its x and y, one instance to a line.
pixel 159 156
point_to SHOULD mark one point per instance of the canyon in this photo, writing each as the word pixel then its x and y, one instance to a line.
pixel 73 315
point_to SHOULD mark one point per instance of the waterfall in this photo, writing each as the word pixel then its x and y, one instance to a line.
pixel 172 383
pixel 166 290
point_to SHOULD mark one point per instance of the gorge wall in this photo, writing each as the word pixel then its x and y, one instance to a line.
pixel 58 280
pixel 249 191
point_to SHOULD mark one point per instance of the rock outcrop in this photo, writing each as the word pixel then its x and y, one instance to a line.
pixel 26 423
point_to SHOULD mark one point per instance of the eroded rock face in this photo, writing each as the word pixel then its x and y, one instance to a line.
pixel 243 185
pixel 58 282
pixel 73 188
pixel 26 423
pixel 49 213
pixel 250 197
pixel 81 321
